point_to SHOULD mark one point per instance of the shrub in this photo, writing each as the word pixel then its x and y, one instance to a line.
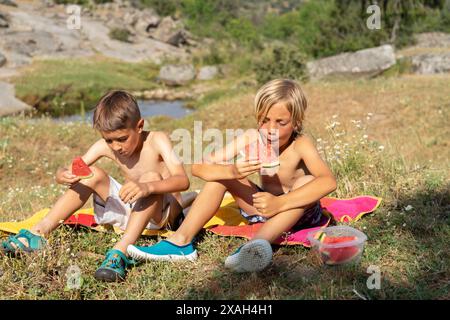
pixel 120 34
pixel 281 62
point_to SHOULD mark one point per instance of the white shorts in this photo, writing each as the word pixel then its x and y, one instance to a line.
pixel 116 212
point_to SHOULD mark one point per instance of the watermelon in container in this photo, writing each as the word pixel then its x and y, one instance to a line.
pixel 338 245
pixel 81 169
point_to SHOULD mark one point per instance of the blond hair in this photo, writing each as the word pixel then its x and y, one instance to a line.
pixel 116 110
pixel 284 91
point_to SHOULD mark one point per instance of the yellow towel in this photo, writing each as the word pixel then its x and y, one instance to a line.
pixel 228 214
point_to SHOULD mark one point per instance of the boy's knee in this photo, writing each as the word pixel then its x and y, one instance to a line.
pixel 302 181
pixel 98 176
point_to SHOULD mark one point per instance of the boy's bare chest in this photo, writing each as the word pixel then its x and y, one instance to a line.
pixel 138 167
pixel 288 172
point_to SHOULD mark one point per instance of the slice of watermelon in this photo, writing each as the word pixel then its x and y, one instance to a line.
pixel 329 239
pixel 81 169
pixel 268 156
pixel 263 152
pixel 332 256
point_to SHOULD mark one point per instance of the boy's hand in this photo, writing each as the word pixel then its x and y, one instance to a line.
pixel 65 176
pixel 243 169
pixel 132 191
pixel 266 203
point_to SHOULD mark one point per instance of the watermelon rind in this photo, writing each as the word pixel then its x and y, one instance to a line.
pixel 86 177
pixel 271 164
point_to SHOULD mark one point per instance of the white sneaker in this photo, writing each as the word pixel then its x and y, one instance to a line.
pixel 253 256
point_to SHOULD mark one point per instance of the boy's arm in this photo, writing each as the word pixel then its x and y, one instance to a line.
pixel 323 184
pixel 214 166
pixel 178 180
pixel 97 150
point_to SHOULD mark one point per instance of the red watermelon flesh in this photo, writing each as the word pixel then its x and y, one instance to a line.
pixel 333 256
pixel 341 255
pixel 330 239
pixel 81 169
pixel 264 152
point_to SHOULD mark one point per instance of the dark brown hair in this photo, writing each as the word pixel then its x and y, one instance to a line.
pixel 116 110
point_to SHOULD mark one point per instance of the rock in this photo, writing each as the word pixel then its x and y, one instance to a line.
pixel 207 73
pixel 432 40
pixel 8 3
pixel 3 21
pixel 171 32
pixel 143 49
pixel 2 60
pixel 431 63
pixel 368 62
pixel 30 43
pixel 9 104
pixel 176 74
pixel 30 35
pixel 145 22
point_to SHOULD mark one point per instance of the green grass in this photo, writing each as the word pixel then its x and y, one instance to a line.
pixel 396 161
pixel 59 86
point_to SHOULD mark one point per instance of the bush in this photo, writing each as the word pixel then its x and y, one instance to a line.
pixel 243 31
pixel 327 27
pixel 281 62
pixel 162 7
pixel 120 34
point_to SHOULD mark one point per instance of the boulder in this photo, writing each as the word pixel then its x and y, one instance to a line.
pixel 171 31
pixel 145 22
pixel 3 21
pixel 2 60
pixel 431 63
pixel 8 3
pixel 366 62
pixel 30 43
pixel 9 104
pixel 142 48
pixel 176 74
pixel 432 40
pixel 207 73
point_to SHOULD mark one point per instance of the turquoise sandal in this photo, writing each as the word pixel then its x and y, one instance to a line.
pixel 114 266
pixel 13 244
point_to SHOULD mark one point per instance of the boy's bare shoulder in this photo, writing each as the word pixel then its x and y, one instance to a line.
pixel 158 139
pixel 97 150
pixel 304 144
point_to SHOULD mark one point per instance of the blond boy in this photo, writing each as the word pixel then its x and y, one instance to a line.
pixel 282 200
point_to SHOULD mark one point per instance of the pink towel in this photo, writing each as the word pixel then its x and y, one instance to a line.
pixel 339 210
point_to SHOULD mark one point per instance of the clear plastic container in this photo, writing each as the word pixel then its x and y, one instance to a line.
pixel 339 245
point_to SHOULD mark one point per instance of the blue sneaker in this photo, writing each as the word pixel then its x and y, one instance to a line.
pixel 163 251
pixel 253 256
pixel 113 267
pixel 13 244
